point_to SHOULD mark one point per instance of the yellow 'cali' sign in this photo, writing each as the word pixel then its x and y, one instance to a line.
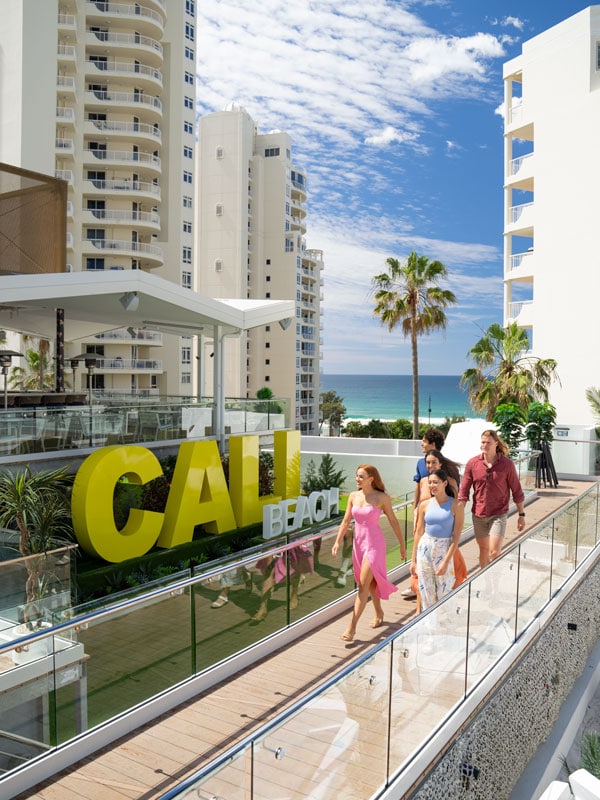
pixel 198 494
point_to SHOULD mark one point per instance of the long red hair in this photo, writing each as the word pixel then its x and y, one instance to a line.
pixel 373 472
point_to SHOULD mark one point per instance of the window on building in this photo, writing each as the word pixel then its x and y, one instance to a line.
pixel 188 127
pixel 187 201
pixel 188 102
pixel 288 153
pixel 267 295
pixel 95 234
pixel 186 355
pixel 189 31
pixel 186 378
pixel 190 7
pixel 267 345
pixel 186 255
pixel 187 177
pixel 289 245
pixel 189 53
pixel 267 378
pixel 219 209
pixel 597 55
pixel 218 265
pixel 271 151
pixel 267 328
pixel 94 263
pixel 267 361
pixel 187 226
pixel 219 152
pixel 188 152
pixel 186 280
pixel 189 78
pixel 268 278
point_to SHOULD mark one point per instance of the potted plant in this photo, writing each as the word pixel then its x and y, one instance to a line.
pixel 37 507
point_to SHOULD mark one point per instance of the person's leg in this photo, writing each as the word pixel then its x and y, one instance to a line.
pixel 377 607
pixel 497 531
pixel 265 592
pixel 425 572
pixel 362 595
pixel 481 528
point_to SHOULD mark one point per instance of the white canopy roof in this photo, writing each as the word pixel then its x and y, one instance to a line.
pixel 93 302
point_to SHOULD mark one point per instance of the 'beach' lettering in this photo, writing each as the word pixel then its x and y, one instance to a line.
pixel 291 515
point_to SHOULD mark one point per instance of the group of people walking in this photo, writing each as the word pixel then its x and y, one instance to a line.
pixel 439 503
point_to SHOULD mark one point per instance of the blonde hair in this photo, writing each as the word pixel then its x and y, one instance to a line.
pixel 373 472
pixel 501 446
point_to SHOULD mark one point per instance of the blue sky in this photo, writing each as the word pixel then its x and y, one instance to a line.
pixel 393 111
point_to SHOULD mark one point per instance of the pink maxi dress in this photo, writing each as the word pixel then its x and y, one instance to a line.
pixel 369 543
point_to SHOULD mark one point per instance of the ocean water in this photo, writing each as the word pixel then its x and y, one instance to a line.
pixel 389 397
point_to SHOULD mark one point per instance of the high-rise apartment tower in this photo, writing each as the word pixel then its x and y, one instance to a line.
pixel 103 94
pixel 251 212
pixel 551 226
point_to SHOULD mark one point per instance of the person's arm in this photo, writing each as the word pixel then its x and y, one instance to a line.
pixel 465 485
pixel 344 526
pixel 458 510
pixel 386 507
pixel 419 531
pixel 518 496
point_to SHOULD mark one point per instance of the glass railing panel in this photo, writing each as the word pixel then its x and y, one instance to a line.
pixel 232 781
pixel 336 746
pixel 534 581
pixel 136 652
pixel 492 615
pixel 429 680
pixel 587 528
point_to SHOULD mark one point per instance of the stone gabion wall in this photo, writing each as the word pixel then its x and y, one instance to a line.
pixel 488 757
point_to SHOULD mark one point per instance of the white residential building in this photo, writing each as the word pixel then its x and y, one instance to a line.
pixel 250 242
pixel 103 94
pixel 552 207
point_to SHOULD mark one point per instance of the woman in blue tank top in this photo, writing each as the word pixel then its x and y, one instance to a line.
pixel 437 533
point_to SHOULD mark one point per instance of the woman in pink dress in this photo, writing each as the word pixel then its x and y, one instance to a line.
pixel 365 506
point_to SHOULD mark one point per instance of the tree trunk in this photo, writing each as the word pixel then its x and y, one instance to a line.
pixel 415 377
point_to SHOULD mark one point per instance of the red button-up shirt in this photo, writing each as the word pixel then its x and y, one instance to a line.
pixel 492 486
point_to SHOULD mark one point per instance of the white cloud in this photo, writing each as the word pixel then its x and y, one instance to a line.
pixel 515 22
pixel 389 135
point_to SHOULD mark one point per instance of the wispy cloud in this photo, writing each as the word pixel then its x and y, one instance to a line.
pixel 358 85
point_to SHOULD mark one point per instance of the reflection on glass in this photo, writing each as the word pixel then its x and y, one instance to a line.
pixel 334 747
pixel 229 782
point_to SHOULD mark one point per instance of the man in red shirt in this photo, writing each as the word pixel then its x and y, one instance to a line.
pixel 494 478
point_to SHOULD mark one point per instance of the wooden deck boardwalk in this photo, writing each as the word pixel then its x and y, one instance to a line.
pixel 161 754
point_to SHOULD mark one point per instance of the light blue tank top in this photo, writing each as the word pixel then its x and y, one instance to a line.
pixel 439 520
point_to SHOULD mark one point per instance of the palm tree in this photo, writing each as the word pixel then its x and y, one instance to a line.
pixel 593 397
pixel 38 374
pixel 505 372
pixel 409 294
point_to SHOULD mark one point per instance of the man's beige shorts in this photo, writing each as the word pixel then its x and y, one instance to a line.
pixel 489 526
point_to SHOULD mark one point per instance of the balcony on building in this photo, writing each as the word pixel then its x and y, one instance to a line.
pixel 520 312
pixel 126 44
pixel 520 218
pixel 117 363
pixel 65 84
pixel 65 175
pixel 120 129
pixel 520 265
pixel 65 116
pixel 64 147
pixel 149 256
pixel 145 76
pixel 521 172
pixel 104 99
pixel 66 53
pixel 123 187
pixel 67 22
pixel 140 161
pixel 121 216
pixel 147 21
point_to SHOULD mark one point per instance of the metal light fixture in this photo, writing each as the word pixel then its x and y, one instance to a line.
pixel 284 324
pixel 130 301
pixel 6 357
pixel 90 360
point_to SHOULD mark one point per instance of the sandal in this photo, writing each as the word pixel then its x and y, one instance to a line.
pixel 376 622
pixel 347 636
pixel 219 602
